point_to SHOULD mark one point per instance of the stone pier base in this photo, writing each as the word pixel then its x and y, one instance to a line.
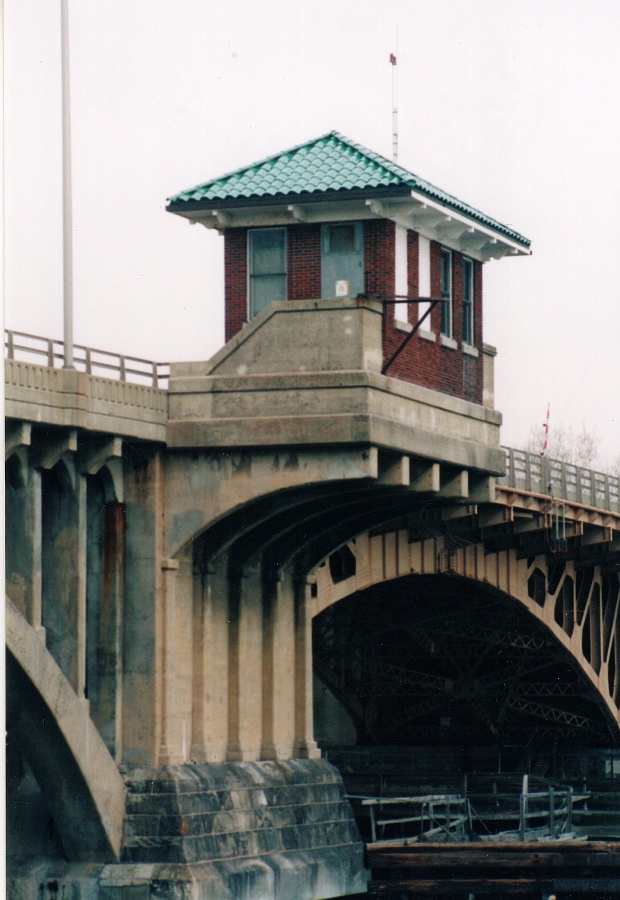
pixel 235 831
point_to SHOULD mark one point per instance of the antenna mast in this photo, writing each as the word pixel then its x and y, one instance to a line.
pixel 394 108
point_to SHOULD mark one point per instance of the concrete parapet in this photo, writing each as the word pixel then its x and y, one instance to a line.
pixel 305 336
pixel 309 374
pixel 68 398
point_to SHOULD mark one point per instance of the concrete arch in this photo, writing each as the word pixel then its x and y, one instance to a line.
pixel 79 779
pixel 246 489
pixel 581 613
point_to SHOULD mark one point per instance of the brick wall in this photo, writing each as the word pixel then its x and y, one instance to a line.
pixel 425 362
pixel 235 280
pixel 379 243
pixel 304 262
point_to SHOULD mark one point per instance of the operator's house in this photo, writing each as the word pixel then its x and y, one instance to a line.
pixel 330 219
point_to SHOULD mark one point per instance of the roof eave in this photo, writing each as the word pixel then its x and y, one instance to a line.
pixel 469 233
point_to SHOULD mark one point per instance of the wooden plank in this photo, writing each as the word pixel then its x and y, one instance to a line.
pixel 500 887
pixel 515 855
pixel 605 848
pixel 588 885
pixel 424 798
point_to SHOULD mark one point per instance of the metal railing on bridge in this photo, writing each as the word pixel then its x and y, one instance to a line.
pixel 49 352
pixel 531 472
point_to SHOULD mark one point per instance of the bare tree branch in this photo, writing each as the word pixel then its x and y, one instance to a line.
pixel 577 446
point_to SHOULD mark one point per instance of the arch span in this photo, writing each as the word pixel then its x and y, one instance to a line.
pixel 576 607
pixel 79 779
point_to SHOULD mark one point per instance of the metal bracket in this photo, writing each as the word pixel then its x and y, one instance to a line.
pixel 398 298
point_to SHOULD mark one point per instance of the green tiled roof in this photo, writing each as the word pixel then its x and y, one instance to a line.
pixel 329 163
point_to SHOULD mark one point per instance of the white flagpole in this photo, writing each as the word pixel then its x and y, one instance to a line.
pixel 67 224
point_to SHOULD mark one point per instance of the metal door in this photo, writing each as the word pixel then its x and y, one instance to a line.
pixel 342 259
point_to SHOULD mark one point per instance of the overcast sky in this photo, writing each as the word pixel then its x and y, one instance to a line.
pixel 513 107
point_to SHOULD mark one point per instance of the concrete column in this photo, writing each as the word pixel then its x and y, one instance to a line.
pixel 305 745
pixel 104 615
pixel 278 667
pixel 143 621
pixel 64 569
pixel 168 738
pixel 488 375
pixel 23 539
pixel 210 650
pixel 245 647
pixel 81 586
pixel 183 655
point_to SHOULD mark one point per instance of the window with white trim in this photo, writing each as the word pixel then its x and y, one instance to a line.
pixel 266 267
pixel 468 302
pixel 446 292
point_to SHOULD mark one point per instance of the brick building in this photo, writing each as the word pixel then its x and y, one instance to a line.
pixel 330 219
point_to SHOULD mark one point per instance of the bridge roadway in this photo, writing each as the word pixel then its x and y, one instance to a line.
pixel 169 548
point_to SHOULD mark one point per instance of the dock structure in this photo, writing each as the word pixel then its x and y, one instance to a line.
pixel 523 870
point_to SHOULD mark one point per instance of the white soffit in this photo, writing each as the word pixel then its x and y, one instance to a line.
pixel 416 212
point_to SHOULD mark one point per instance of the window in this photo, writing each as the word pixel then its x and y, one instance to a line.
pixel 267 267
pixel 468 302
pixel 342 260
pixel 341 238
pixel 446 292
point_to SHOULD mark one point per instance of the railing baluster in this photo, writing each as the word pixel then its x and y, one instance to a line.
pixel 50 353
pixel 10 345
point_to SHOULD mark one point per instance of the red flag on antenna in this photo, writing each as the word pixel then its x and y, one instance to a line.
pixel 392 59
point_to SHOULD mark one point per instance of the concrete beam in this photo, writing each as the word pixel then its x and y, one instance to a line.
pixel 456 486
pixel 481 490
pixel 426 479
pixel 16 434
pixel 95 454
pixel 395 472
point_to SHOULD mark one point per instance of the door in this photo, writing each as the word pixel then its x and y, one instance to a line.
pixel 342 260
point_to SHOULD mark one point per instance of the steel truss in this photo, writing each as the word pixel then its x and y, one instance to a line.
pixel 420 661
